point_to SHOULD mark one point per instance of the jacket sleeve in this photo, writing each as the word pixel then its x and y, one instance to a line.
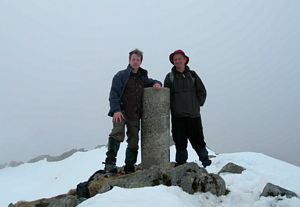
pixel 167 81
pixel 200 89
pixel 149 82
pixel 115 95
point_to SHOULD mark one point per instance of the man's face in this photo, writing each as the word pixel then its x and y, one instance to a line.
pixel 179 61
pixel 135 61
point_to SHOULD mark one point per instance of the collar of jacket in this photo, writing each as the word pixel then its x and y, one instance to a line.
pixel 142 71
pixel 187 69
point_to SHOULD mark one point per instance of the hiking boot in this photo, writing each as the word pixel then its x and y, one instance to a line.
pixel 110 165
pixel 110 168
pixel 129 169
pixel 206 162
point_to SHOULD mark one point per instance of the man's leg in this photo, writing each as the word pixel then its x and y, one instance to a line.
pixel 116 136
pixel 180 140
pixel 196 138
pixel 133 128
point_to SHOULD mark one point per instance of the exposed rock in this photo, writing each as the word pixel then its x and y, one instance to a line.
pixel 64 155
pixel 189 177
pixel 65 200
pixel 232 168
pixel 275 190
pixel 14 163
pixel 99 146
pixel 3 165
pixel 38 158
pixel 49 158
pixel 56 158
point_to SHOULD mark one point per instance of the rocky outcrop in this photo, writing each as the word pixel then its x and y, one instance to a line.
pixel 232 168
pixel 64 155
pixel 49 158
pixel 11 164
pixel 65 200
pixel 275 190
pixel 190 177
pixel 99 146
pixel 3 165
pixel 56 158
pixel 38 158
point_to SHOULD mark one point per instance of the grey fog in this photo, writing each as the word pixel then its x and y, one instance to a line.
pixel 57 60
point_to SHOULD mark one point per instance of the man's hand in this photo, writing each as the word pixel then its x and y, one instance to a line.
pixel 156 86
pixel 118 117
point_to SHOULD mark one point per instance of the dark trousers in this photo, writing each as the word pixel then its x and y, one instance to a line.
pixel 184 129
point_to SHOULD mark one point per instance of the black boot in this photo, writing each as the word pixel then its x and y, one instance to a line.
pixel 111 154
pixel 110 166
pixel 203 157
pixel 181 157
pixel 130 160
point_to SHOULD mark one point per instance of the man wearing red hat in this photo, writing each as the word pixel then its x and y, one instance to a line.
pixel 187 95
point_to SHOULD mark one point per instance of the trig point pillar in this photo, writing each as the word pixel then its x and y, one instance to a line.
pixel 155 127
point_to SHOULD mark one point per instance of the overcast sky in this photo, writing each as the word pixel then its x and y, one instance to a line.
pixel 57 60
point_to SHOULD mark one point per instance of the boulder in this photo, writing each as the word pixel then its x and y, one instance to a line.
pixel 275 190
pixel 232 168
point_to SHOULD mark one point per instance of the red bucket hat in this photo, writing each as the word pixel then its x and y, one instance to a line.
pixel 178 52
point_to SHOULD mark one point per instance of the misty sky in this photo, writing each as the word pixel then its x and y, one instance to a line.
pixel 57 60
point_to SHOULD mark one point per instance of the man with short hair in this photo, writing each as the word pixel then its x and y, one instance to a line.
pixel 126 109
pixel 187 94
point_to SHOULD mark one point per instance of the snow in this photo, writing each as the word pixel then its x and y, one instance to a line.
pixel 44 179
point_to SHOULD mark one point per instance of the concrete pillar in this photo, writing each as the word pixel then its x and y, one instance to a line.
pixel 155 127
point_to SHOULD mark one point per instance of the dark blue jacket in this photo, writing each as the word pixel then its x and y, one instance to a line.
pixel 118 86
